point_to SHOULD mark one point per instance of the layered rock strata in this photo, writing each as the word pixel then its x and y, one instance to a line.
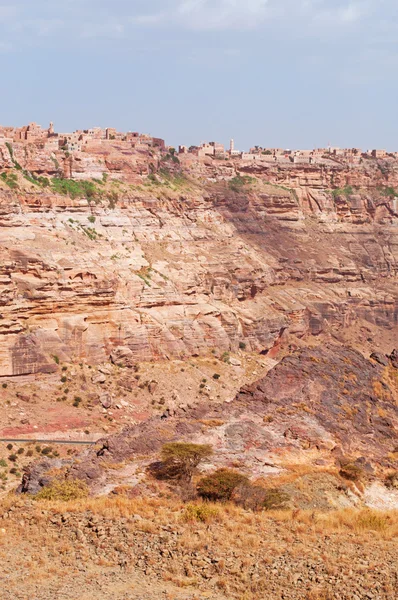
pixel 175 269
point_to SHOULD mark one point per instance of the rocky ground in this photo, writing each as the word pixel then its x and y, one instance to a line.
pixel 125 551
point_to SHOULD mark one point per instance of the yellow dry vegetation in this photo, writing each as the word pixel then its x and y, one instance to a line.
pixel 158 512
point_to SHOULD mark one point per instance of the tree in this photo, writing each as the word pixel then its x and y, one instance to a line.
pixel 180 460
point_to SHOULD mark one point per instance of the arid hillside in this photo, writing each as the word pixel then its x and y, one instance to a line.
pixel 127 283
pixel 243 314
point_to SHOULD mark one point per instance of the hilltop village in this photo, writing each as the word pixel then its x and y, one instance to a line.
pixel 97 140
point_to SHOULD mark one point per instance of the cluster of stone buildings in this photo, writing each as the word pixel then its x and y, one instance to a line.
pixel 281 155
pixel 97 139
pixel 214 149
pixel 79 141
pixel 317 156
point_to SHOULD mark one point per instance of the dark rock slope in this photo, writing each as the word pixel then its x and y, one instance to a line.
pixel 318 406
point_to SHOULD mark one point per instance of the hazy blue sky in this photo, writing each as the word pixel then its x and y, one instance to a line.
pixel 291 73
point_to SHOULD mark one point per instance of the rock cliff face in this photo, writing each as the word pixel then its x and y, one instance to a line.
pixel 189 261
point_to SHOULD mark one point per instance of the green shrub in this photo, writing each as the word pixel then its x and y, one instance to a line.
pixel 9 446
pixel 20 451
pixel 3 463
pixel 275 500
pixel 91 219
pixel 5 385
pixel 47 450
pixel 242 346
pixel 64 379
pixel 225 357
pixel 220 485
pixel 216 376
pixel 68 489
pixel 204 513
pixel 13 458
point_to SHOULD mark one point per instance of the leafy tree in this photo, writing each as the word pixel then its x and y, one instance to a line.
pixel 180 460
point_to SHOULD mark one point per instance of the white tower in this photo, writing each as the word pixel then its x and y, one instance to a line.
pixel 231 146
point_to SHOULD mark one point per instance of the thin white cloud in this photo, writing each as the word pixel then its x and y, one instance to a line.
pixel 102 30
pixel 221 14
pixel 345 13
pixel 102 19
pixel 149 19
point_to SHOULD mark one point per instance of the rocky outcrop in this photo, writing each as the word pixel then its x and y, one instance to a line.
pixel 321 406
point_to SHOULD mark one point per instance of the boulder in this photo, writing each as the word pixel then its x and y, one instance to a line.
pixel 235 362
pixel 380 358
pixel 123 357
pixel 105 400
pixel 152 386
pixel 394 358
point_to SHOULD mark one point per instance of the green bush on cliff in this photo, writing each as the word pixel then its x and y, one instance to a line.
pixel 75 189
pixel 347 191
pixel 238 183
pixel 388 192
pixel 10 179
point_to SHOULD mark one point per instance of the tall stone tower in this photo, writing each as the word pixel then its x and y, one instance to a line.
pixel 51 129
pixel 231 146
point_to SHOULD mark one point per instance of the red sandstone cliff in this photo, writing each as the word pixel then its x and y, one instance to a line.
pixel 190 259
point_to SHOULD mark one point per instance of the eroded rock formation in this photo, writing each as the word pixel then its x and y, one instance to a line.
pixel 179 266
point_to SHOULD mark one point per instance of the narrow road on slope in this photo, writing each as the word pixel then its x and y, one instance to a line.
pixel 37 441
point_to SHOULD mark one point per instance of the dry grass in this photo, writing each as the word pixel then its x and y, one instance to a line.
pixel 211 422
pixel 293 472
pixel 380 392
pixel 230 519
